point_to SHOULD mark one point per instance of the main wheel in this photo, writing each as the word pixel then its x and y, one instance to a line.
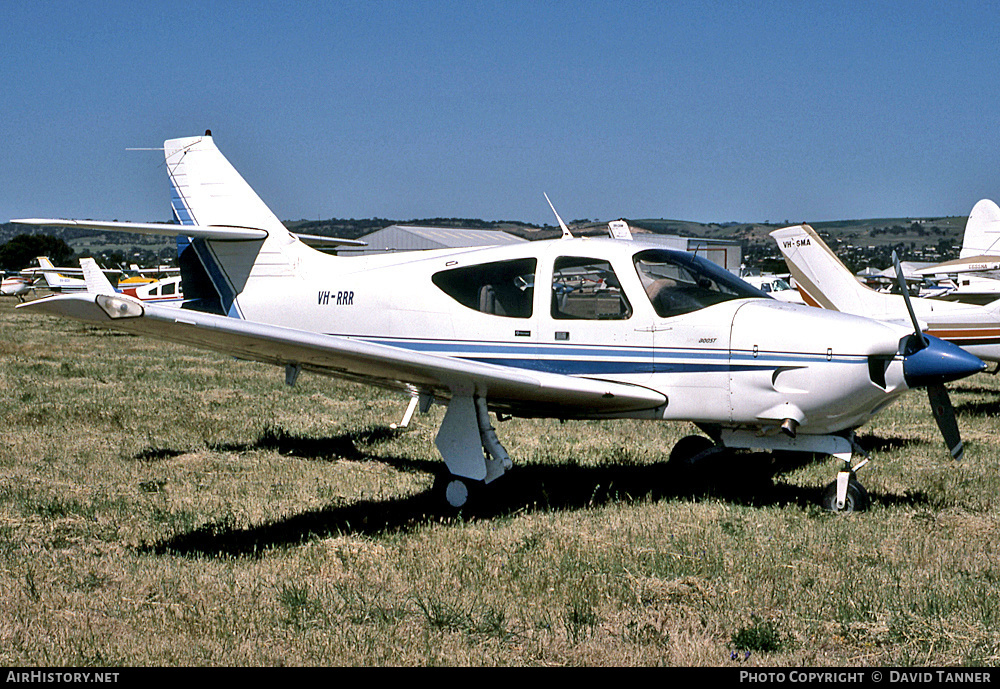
pixel 689 449
pixel 856 500
pixel 456 491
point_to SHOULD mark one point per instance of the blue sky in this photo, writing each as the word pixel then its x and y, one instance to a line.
pixel 707 111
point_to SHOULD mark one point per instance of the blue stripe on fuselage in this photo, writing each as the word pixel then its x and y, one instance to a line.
pixel 592 367
pixel 603 360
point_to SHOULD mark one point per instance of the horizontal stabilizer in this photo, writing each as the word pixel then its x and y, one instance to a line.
pixel 217 233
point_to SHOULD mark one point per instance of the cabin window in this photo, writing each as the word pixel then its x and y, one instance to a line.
pixel 169 288
pixel 502 288
pixel 677 282
pixel 587 289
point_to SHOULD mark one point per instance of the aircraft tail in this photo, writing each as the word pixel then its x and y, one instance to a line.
pixel 207 191
pixel 56 281
pixel 823 280
pixel 97 281
pixel 982 231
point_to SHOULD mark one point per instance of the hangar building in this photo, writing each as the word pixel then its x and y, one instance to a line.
pixel 415 238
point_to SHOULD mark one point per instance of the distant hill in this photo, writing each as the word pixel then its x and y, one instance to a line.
pixel 859 243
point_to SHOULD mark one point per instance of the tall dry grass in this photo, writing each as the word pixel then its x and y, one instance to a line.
pixel 161 506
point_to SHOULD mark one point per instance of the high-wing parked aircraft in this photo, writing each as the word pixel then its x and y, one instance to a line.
pixel 54 278
pixel 567 328
pixel 165 292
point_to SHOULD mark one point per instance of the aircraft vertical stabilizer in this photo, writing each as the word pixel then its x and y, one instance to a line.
pixel 97 281
pixel 822 279
pixel 982 231
pixel 206 190
pixel 55 280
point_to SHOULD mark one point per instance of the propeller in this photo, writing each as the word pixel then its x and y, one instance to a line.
pixel 930 362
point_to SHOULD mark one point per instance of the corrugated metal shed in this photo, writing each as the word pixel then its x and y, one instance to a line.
pixel 416 238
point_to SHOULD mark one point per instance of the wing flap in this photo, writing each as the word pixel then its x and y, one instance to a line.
pixel 528 393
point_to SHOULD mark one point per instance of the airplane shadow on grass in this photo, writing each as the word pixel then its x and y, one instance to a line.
pixel 744 478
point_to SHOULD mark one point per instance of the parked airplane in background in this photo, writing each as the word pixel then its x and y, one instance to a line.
pixel 825 281
pixel 16 286
pixel 165 292
pixel 54 278
pixel 565 328
pixel 775 286
pixel 168 291
pixel 975 274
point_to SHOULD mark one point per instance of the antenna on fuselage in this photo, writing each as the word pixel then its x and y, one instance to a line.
pixel 565 230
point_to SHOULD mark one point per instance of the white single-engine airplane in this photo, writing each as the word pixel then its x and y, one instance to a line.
pixel 16 286
pixel 567 328
pixel 54 278
pixel 166 292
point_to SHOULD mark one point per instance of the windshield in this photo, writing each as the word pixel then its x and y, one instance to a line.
pixel 678 282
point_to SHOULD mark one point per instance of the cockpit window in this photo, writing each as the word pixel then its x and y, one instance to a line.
pixel 587 289
pixel 677 283
pixel 502 288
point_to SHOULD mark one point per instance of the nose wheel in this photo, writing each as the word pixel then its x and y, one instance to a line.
pixel 845 495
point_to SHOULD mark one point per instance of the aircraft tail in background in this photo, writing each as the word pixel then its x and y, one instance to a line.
pixel 95 279
pixel 822 279
pixel 56 281
pixel 982 231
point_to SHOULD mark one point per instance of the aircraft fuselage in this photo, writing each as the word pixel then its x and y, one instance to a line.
pixel 580 307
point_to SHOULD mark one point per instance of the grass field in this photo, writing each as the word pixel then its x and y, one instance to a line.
pixel 164 506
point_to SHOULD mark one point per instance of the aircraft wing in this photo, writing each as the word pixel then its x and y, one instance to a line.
pixel 525 393
pixel 324 242
pixel 971 264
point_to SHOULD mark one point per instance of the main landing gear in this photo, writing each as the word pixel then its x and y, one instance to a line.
pixel 457 491
pixel 471 451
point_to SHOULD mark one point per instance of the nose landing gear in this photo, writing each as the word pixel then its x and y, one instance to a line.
pixel 846 494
